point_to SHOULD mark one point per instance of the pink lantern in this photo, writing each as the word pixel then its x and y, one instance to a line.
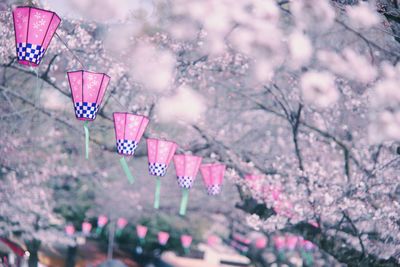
pixel 121 223
pixel 279 242
pixel 159 153
pixel 141 231
pixel 186 241
pixel 87 89
pixel 261 242
pixel 291 242
pixel 34 28
pixel 186 167
pixel 70 230
pixel 101 221
pixel 163 238
pixel 129 129
pixel 213 176
pixel 86 228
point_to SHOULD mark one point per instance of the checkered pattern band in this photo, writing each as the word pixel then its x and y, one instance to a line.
pixel 213 189
pixel 185 181
pixel 126 147
pixel 86 110
pixel 157 169
pixel 30 52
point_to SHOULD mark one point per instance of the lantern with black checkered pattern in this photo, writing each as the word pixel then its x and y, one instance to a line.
pixel 159 153
pixel 213 176
pixel 34 28
pixel 129 129
pixel 87 89
pixel 186 167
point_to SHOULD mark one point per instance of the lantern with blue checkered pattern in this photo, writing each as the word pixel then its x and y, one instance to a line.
pixel 87 89
pixel 213 176
pixel 34 28
pixel 159 153
pixel 129 129
pixel 186 167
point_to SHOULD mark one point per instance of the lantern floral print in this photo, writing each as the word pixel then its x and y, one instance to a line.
pixel 213 175
pixel 87 90
pixel 159 153
pixel 34 28
pixel 186 167
pixel 129 129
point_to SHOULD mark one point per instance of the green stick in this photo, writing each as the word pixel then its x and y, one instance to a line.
pixel 128 173
pixel 157 194
pixel 85 126
pixel 184 202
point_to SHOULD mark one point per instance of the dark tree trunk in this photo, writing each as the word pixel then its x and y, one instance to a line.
pixel 33 248
pixel 71 256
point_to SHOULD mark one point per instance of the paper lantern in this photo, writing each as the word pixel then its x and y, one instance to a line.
pixel 186 167
pixel 141 231
pixel 213 176
pixel 70 230
pixel 291 242
pixel 101 222
pixel 279 242
pixel 186 241
pixel 261 242
pixel 34 28
pixel 121 223
pixel 159 153
pixel 163 238
pixel 129 129
pixel 87 89
pixel 86 228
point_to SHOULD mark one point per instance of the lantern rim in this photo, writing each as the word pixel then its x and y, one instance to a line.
pixel 38 8
pixel 161 139
pixel 128 113
pixel 217 164
pixel 88 71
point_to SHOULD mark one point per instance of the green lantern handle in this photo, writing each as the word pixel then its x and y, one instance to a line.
pixel 128 173
pixel 184 202
pixel 157 194
pixel 86 128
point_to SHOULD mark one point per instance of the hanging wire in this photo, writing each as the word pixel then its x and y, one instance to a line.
pixel 73 54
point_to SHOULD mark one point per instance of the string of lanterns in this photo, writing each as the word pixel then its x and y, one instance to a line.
pixel 34 30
